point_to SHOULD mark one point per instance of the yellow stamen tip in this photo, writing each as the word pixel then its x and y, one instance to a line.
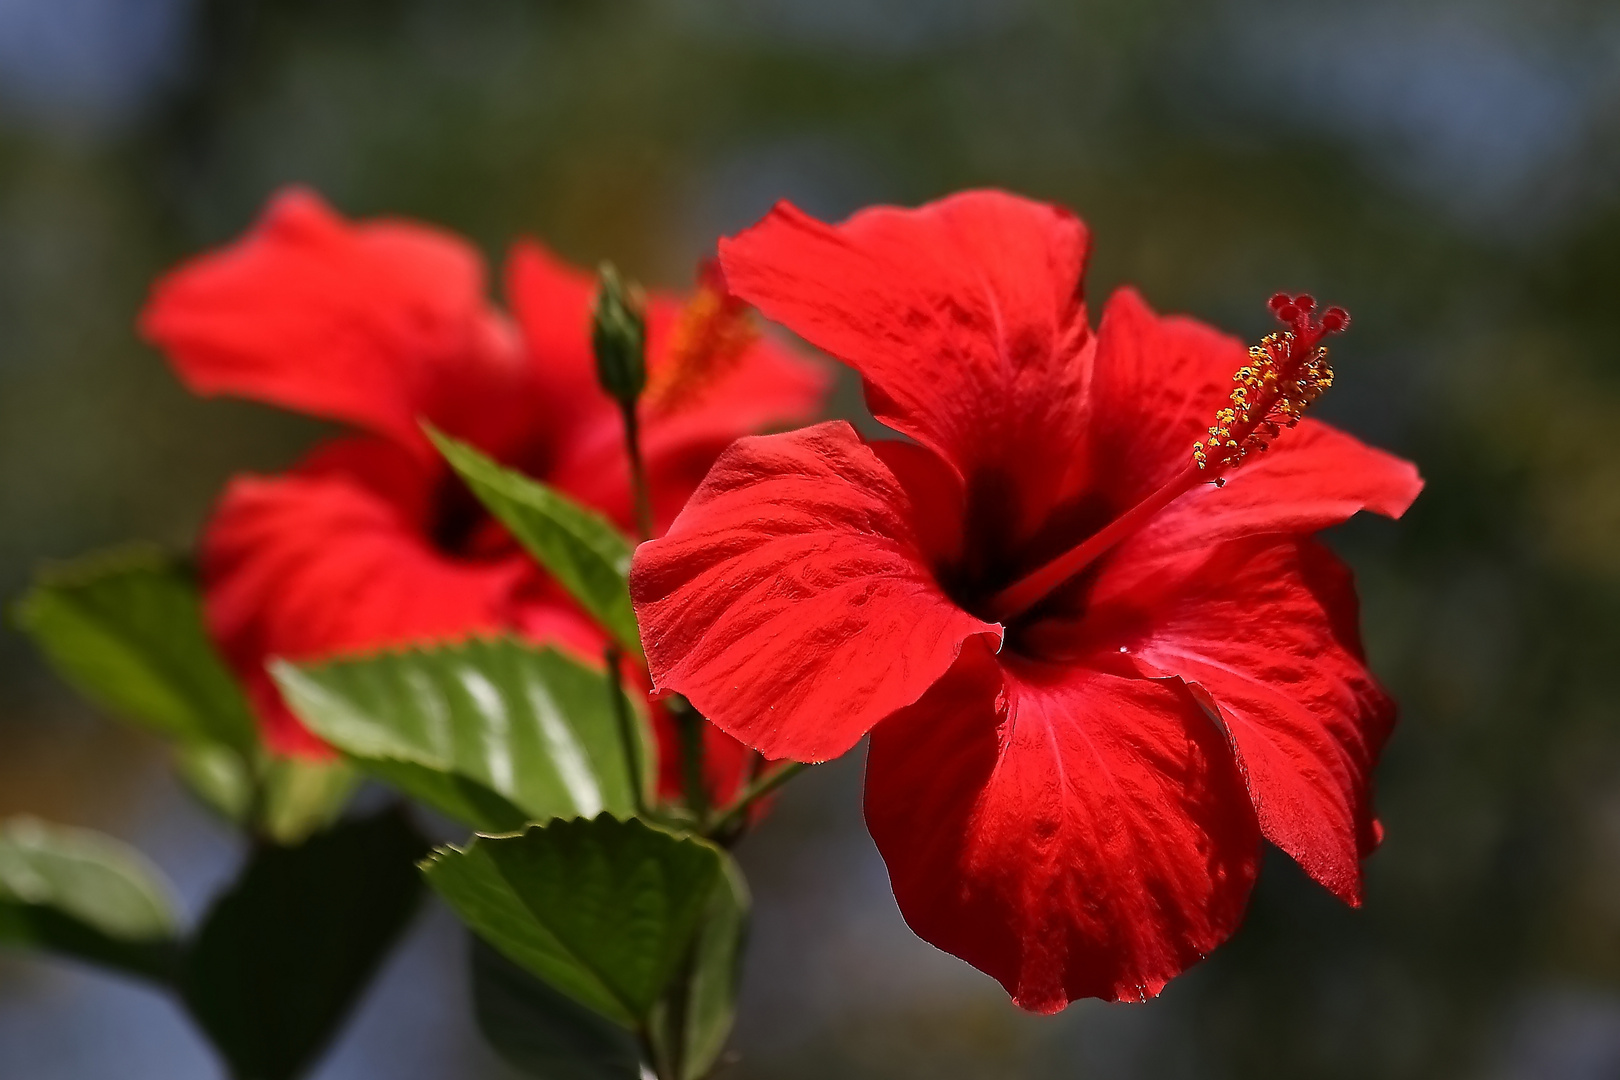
pixel 1285 373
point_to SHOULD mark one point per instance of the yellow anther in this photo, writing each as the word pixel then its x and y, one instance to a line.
pixel 1286 372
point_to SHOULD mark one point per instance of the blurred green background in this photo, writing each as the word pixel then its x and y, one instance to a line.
pixel 1449 171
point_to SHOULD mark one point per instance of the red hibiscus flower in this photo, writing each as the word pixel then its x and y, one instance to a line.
pixel 1097 665
pixel 372 541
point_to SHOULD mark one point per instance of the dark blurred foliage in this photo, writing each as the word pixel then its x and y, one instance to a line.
pixel 1449 171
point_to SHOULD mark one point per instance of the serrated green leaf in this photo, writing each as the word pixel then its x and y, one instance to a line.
pixel 126 629
pixel 583 550
pixel 711 1005
pixel 281 957
pixel 492 733
pixel 689 1027
pixel 603 910
pixel 83 894
pixel 543 1032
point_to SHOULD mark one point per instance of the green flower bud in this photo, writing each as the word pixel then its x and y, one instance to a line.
pixel 619 336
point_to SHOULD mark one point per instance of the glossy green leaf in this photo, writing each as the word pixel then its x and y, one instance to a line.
pixel 492 733
pixel 689 1026
pixel 281 958
pixel 126 629
pixel 711 1004
pixel 82 894
pixel 584 551
pixel 604 910
pixel 543 1032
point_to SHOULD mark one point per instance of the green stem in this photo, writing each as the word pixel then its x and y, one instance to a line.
pixel 756 765
pixel 638 471
pixel 677 1004
pixel 735 816
pixel 628 736
pixel 694 784
pixel 254 824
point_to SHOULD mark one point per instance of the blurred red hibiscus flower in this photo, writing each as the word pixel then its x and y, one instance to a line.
pixel 1098 659
pixel 372 541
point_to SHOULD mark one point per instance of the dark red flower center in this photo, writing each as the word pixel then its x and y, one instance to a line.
pixel 458 524
pixel 1285 373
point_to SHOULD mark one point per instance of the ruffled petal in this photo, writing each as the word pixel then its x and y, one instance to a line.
pixel 377 324
pixel 1315 476
pixel 1155 387
pixel 323 563
pixel 1265 633
pixel 790 601
pixel 1069 832
pixel 936 495
pixel 964 317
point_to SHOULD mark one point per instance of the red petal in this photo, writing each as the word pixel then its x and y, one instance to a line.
pixel 1266 634
pixel 1069 832
pixel 935 493
pixel 790 601
pixel 1315 476
pixel 313 565
pixel 1157 385
pixel 964 317
pixel 377 324
pixel 1154 392
pixel 552 303
pixel 769 386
